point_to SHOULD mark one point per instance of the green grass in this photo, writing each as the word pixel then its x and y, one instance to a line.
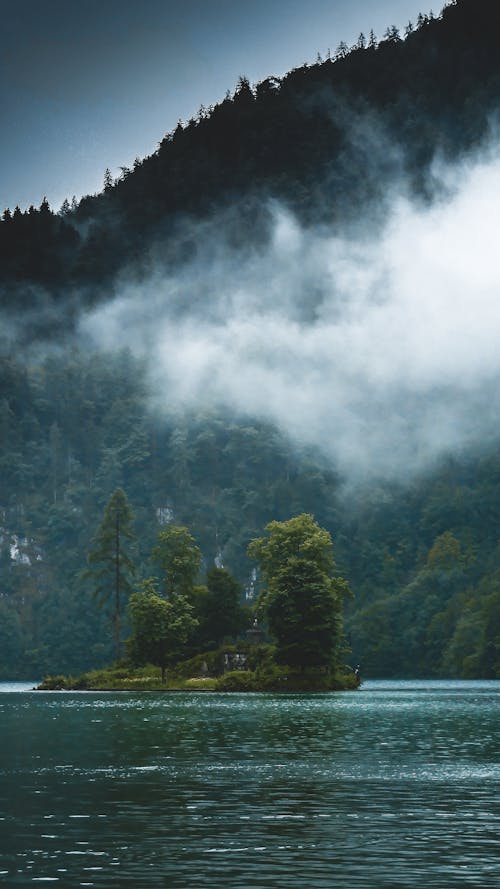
pixel 268 677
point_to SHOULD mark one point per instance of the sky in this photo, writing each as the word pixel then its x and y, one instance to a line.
pixel 95 84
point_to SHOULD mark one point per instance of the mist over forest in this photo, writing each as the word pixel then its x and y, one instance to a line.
pixel 290 306
pixel 367 346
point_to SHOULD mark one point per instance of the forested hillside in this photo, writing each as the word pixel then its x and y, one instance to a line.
pixel 328 141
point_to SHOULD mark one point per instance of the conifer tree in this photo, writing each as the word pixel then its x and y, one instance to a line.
pixel 111 567
pixel 108 179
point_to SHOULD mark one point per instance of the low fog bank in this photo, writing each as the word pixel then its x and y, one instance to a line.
pixel 382 351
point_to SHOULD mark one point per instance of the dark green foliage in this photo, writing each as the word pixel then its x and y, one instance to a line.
pixel 432 621
pixel 239 680
pixel 54 683
pixel 111 567
pixel 226 492
pixel 302 611
pixel 160 627
pixel 213 663
pixel 209 663
pixel 302 602
pixel 179 558
pixel 219 610
pixel 473 631
pixel 11 643
pixel 421 560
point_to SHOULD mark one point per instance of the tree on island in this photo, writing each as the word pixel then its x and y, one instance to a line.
pixel 111 567
pixel 163 624
pixel 161 627
pixel 179 558
pixel 219 608
pixel 303 600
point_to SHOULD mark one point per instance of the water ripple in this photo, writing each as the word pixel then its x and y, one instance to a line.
pixel 390 787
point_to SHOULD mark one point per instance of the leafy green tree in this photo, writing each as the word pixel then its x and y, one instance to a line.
pixel 111 566
pixel 179 558
pixel 445 553
pixel 220 611
pixel 303 600
pixel 161 627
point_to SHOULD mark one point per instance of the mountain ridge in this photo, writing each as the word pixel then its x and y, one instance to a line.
pixel 305 139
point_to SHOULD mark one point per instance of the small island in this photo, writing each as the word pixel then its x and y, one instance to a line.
pixel 187 636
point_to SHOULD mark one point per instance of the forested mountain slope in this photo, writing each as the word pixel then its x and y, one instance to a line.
pixel 328 139
pixel 329 142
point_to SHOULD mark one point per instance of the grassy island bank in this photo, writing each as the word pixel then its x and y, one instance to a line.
pixel 187 636
pixel 234 669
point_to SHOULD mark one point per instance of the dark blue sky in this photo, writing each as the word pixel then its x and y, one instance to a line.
pixel 90 84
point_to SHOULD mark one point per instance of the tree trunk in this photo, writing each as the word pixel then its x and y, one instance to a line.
pixel 117 587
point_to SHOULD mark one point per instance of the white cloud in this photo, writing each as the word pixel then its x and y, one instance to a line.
pixel 384 351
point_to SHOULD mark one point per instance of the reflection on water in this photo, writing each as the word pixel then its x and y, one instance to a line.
pixel 392 786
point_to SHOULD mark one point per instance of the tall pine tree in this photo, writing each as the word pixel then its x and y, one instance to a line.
pixel 111 567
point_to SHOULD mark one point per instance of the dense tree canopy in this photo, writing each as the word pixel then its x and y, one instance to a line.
pixel 433 543
pixel 220 609
pixel 160 627
pixel 179 559
pixel 302 601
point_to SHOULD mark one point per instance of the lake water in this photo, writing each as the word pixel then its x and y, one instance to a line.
pixel 394 786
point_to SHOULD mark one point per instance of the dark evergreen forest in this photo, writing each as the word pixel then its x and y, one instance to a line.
pixel 421 557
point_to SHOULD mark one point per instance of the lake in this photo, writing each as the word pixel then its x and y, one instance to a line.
pixel 396 785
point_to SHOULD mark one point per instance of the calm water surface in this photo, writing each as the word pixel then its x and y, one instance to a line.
pixel 395 786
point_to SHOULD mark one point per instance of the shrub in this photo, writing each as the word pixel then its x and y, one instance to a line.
pixel 257 656
pixel 345 682
pixel 237 680
pixel 53 683
pixel 81 682
pixel 271 677
pixel 194 665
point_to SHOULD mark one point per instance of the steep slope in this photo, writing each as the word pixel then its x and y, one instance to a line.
pixel 328 139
